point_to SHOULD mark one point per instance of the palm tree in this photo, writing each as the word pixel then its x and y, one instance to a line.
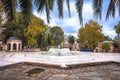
pixel 117 30
pixel 47 5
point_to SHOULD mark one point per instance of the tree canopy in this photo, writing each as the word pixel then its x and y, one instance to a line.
pixel 15 29
pixel 90 34
pixel 57 35
pixel 20 30
pixel 36 34
pixel 33 30
pixel 71 39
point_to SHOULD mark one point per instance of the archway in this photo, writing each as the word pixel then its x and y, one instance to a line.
pixel 14 47
pixel 19 46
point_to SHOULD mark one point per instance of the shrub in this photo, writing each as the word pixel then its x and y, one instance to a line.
pixel 106 47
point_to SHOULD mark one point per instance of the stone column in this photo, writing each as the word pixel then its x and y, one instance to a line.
pixel 17 46
pixel 21 46
pixel 11 46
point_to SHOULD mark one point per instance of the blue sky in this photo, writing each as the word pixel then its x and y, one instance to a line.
pixel 71 25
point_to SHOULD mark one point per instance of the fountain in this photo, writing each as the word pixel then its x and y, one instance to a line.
pixel 59 52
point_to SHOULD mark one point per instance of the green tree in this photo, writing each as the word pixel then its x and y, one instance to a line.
pixel 15 29
pixel 71 39
pixel 18 28
pixel 57 35
pixel 106 47
pixel 33 30
pixel 90 34
pixel 117 30
pixel 47 5
pixel 44 39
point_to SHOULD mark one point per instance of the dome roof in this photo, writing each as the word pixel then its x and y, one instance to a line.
pixel 13 38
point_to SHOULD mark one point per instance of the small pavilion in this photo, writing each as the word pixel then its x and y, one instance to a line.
pixel 14 44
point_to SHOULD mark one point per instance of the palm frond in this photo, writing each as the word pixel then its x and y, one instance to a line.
pixel 68 5
pixel 45 4
pixel 40 4
pixel 47 10
pixel 26 9
pixel 10 9
pixel 97 7
pixel 118 5
pixel 51 4
pixel 111 9
pixel 79 7
pixel 60 8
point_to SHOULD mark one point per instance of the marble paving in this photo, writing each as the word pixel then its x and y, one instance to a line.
pixel 7 58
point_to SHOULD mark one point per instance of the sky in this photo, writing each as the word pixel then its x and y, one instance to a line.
pixel 71 25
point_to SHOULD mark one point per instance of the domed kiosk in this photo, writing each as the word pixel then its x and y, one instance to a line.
pixel 14 44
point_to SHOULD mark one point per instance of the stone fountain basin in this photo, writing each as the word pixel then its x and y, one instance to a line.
pixel 37 57
pixel 59 52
